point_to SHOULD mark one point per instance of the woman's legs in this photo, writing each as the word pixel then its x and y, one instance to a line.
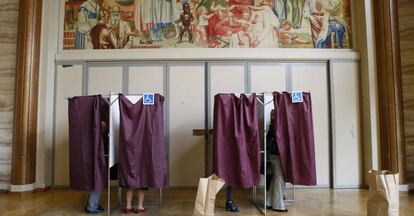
pixel 129 198
pixel 140 195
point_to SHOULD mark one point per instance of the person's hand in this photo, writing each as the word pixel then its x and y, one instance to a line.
pixel 104 126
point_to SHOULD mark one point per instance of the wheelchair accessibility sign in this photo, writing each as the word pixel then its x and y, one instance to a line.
pixel 148 99
pixel 297 97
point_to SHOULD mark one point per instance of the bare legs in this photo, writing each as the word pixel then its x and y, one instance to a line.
pixel 140 196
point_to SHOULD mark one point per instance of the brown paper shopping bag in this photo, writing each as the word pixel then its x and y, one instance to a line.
pixel 206 195
pixel 383 196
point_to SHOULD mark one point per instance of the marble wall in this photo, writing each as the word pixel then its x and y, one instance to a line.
pixel 406 24
pixel 8 31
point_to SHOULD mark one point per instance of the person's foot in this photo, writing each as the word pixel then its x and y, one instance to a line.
pixel 128 210
pixel 231 207
pixel 140 210
pixel 94 211
pixel 280 210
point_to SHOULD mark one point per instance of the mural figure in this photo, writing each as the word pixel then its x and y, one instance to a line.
pixel 87 19
pixel 186 18
pixel 266 25
pixel 144 19
pixel 286 37
pixel 122 28
pixel 104 36
pixel 297 7
pixel 326 22
pixel 208 24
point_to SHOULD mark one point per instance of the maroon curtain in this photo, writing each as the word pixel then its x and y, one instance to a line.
pixel 236 146
pixel 295 139
pixel 87 164
pixel 142 158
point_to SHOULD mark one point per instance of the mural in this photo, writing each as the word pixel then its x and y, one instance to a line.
pixel 134 24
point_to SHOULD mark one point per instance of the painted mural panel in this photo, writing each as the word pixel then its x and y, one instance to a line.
pixel 131 24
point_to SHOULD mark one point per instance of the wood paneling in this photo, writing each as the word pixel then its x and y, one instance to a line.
pixel 8 38
pixel 389 87
pixel 406 30
pixel 26 90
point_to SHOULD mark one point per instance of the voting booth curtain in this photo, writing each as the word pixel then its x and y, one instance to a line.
pixel 236 144
pixel 295 138
pixel 142 154
pixel 87 164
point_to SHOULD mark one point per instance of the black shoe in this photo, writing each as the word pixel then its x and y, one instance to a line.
pixel 95 211
pixel 231 207
pixel 280 210
pixel 100 208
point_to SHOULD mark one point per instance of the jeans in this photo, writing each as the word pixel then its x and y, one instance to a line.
pixel 277 187
pixel 93 200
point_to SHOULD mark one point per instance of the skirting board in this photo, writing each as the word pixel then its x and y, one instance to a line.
pixel 21 188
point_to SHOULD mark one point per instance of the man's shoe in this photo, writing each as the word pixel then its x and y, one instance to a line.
pixel 95 211
pixel 231 207
pixel 280 210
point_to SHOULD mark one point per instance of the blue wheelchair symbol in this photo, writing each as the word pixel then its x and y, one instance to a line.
pixel 297 97
pixel 148 99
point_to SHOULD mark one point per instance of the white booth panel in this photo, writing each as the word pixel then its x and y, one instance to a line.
pixel 102 80
pixel 226 79
pixel 68 84
pixel 347 142
pixel 313 78
pixel 146 79
pixel 268 78
pixel 186 112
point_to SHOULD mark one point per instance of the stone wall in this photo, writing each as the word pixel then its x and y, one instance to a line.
pixel 8 37
pixel 406 24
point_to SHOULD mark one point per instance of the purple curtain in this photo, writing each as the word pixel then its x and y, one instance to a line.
pixel 236 146
pixel 87 164
pixel 295 139
pixel 142 158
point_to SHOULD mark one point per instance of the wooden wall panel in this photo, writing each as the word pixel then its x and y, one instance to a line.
pixel 9 12
pixel 389 87
pixel 406 30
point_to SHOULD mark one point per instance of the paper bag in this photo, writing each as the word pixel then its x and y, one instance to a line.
pixel 206 195
pixel 383 196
